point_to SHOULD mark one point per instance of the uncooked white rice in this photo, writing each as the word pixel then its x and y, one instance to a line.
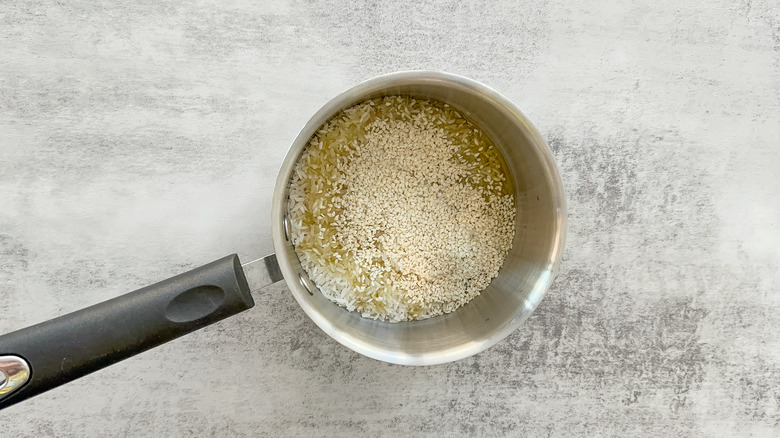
pixel 401 209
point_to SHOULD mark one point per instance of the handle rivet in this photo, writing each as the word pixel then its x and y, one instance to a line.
pixel 286 227
pixel 306 283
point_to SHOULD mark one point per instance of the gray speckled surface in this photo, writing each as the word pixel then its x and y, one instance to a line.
pixel 139 139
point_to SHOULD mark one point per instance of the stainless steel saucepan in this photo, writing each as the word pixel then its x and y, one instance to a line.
pixel 43 356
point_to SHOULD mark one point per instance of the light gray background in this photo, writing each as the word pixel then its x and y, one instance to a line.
pixel 140 139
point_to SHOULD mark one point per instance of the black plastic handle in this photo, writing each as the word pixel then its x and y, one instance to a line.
pixel 74 345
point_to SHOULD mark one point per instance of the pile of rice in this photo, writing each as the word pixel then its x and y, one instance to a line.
pixel 401 209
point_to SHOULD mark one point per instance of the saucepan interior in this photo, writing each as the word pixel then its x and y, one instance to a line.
pixel 525 275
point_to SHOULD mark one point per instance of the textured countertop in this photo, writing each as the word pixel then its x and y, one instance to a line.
pixel 140 139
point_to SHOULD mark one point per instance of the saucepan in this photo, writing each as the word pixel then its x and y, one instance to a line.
pixel 44 356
